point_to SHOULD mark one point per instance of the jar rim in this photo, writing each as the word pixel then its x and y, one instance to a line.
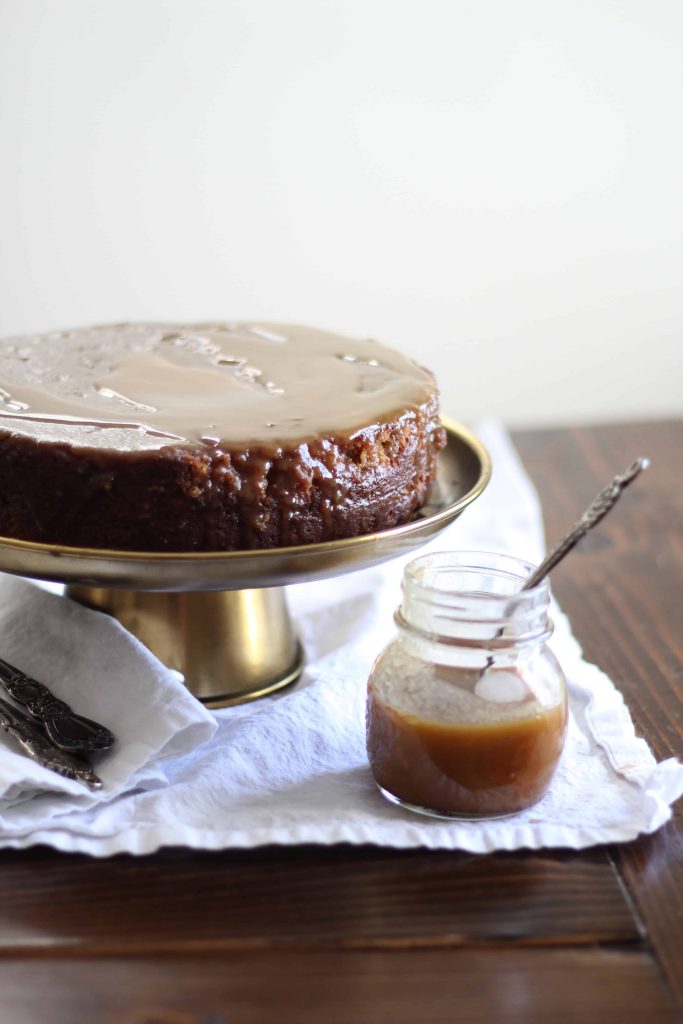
pixel 505 565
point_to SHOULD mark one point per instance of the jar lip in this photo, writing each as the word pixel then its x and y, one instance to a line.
pixel 507 566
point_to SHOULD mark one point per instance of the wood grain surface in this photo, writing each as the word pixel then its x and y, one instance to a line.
pixel 593 986
pixel 342 897
pixel 623 590
pixel 364 934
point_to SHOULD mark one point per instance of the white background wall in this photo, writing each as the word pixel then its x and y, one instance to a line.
pixel 494 187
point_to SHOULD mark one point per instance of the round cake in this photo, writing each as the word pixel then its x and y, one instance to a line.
pixel 210 437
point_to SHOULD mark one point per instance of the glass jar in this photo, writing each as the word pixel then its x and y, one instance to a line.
pixel 467 707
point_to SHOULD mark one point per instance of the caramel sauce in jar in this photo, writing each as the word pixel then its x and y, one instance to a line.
pixel 460 768
pixel 467 708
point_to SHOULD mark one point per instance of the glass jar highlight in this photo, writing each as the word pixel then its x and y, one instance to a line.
pixel 467 707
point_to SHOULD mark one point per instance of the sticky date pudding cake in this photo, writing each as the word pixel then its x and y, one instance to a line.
pixel 210 437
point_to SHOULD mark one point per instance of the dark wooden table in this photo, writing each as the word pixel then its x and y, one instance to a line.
pixel 326 935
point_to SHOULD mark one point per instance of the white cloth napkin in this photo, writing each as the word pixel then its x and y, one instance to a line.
pixel 103 672
pixel 292 768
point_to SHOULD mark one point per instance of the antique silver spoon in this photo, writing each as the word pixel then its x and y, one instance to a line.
pixel 597 510
pixel 68 731
pixel 37 746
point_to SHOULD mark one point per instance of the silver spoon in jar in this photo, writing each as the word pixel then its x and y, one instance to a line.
pixel 597 510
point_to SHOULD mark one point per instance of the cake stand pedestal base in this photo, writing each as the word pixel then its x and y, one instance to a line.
pixel 231 646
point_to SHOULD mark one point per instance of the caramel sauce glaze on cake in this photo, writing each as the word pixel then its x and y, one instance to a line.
pixel 210 437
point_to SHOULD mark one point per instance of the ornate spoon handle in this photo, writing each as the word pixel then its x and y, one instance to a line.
pixel 597 510
pixel 606 499
pixel 67 730
pixel 34 743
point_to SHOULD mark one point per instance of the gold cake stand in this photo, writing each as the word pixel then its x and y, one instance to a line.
pixel 221 618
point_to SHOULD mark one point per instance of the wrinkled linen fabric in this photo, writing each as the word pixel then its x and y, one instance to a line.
pixel 292 768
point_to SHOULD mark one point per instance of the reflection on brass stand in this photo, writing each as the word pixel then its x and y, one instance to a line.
pixel 231 646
